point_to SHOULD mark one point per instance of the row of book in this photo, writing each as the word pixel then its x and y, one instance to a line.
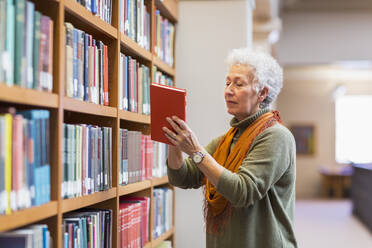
pixel 161 78
pixel 26 46
pixel 87 160
pixel 34 236
pixel 86 67
pixel 133 222
pixel 24 159
pixel 100 8
pixel 134 86
pixel 140 157
pixel 163 215
pixel 135 21
pixel 88 228
pixel 164 38
pixel 165 244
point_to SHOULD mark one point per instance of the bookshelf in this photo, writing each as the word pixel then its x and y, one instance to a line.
pixel 67 110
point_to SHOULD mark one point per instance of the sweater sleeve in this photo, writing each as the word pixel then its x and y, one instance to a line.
pixel 189 175
pixel 266 162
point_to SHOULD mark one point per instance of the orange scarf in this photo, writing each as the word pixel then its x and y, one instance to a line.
pixel 217 210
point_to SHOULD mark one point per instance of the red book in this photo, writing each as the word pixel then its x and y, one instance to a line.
pixel 105 77
pixel 165 101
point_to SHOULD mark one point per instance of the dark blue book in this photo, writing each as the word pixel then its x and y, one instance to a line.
pixel 94 7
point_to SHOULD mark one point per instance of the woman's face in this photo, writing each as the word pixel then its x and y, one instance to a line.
pixel 241 98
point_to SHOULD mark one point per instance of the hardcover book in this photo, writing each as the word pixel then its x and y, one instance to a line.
pixel 165 102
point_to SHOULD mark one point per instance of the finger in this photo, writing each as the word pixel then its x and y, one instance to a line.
pixel 174 125
pixel 180 122
pixel 170 139
pixel 170 133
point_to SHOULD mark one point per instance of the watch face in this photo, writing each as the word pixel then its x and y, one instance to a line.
pixel 197 158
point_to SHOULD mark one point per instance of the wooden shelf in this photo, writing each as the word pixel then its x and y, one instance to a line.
pixel 147 245
pixel 15 94
pixel 163 237
pixel 134 187
pixel 135 48
pixel 168 8
pixel 163 66
pixel 74 105
pixel 134 117
pixel 87 17
pixel 27 216
pixel 87 200
pixel 159 181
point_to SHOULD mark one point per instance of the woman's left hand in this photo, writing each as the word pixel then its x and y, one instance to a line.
pixel 182 136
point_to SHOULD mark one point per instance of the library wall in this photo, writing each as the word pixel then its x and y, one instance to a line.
pixel 311 38
pixel 203 42
pixel 307 98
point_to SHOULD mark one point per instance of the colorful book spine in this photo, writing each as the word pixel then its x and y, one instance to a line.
pixel 24 159
pixel 86 67
pixel 163 198
pixel 26 46
pixel 161 78
pixel 135 21
pixel 8 56
pixel 134 86
pixel 100 8
pixel 164 38
pixel 88 228
pixel 87 160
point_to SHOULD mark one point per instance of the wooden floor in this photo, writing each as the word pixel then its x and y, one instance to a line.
pixel 329 224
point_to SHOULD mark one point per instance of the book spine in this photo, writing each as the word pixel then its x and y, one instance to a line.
pixel 8 160
pixel 20 60
pixel 36 46
pixel 8 57
pixel 30 7
pixel 105 54
pixel 86 68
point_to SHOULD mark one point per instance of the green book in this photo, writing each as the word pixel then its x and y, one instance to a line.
pixel 36 45
pixel 10 32
pixel 20 59
pixel 28 45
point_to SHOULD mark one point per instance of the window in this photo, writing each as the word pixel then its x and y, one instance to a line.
pixel 354 129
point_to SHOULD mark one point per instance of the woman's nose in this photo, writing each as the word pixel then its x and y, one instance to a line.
pixel 229 90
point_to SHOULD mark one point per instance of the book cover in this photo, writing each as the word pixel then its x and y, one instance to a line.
pixel 165 102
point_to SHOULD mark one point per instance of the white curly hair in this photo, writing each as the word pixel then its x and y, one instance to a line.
pixel 267 72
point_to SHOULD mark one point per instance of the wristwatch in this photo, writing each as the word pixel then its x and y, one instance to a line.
pixel 197 157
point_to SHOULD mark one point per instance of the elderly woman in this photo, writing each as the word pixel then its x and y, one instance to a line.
pixel 249 172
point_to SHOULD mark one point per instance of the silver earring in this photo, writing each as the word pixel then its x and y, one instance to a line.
pixel 262 105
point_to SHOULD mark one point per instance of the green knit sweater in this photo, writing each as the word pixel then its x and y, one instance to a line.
pixel 262 192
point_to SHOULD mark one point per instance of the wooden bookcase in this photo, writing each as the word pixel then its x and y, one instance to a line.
pixel 67 110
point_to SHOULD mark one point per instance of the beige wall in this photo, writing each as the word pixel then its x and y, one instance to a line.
pixel 307 98
pixel 206 31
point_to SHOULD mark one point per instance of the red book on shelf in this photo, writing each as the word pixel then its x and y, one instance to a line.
pixel 165 101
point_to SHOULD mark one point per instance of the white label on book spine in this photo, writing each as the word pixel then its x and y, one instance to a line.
pixel 13 200
pixel 63 186
pixel 75 85
pixel 30 76
pixel 3 201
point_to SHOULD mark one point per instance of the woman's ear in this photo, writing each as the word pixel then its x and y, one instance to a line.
pixel 263 94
